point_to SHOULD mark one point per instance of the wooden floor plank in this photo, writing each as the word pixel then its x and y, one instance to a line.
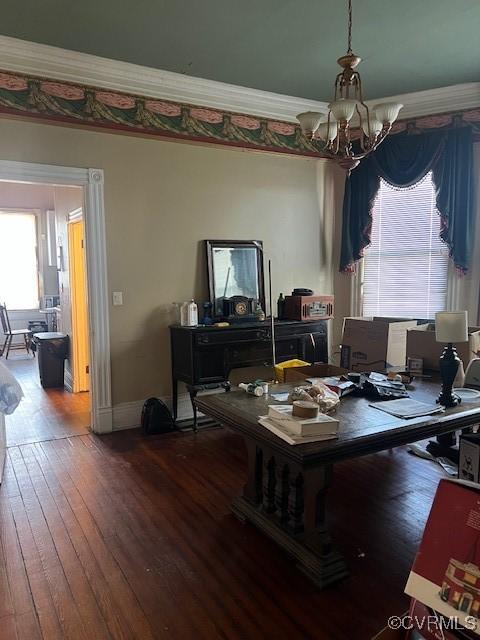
pixel 196 592
pixel 18 584
pixel 27 626
pixel 83 499
pixel 104 591
pixel 8 627
pixel 80 588
pixel 131 538
pixel 237 605
pixel 52 566
pixel 39 586
pixel 43 414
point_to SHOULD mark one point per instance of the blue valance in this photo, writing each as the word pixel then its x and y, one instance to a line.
pixel 402 160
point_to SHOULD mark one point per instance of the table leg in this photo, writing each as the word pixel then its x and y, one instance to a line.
pixel 175 398
pixel 193 393
pixel 445 446
pixel 287 502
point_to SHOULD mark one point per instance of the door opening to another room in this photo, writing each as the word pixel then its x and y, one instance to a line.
pixel 43 292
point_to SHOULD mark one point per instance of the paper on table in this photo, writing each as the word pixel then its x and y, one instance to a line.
pixel 280 397
pixel 407 408
pixel 290 437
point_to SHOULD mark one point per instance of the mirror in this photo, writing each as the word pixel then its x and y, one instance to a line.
pixel 235 268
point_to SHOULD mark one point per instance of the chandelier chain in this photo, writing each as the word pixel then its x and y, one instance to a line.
pixel 349 26
pixel 352 129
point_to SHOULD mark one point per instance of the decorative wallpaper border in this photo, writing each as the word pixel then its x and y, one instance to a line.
pixel 81 105
pixel 77 104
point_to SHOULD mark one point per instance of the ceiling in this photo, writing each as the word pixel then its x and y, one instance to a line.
pixel 285 46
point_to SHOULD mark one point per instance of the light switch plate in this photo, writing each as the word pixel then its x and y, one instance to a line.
pixel 117 298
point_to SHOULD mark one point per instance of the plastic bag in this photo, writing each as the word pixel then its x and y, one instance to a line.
pixel 10 391
pixel 326 399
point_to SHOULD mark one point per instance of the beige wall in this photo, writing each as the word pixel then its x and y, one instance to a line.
pixel 162 199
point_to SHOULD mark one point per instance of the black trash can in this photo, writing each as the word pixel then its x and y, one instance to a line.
pixel 36 326
pixel 52 349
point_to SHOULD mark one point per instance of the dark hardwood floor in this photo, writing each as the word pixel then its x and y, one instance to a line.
pixel 123 537
pixel 43 414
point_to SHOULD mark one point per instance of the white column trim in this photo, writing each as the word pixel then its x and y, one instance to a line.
pixel 98 308
pixel 92 180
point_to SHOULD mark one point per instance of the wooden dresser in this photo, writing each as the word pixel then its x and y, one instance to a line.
pixel 203 356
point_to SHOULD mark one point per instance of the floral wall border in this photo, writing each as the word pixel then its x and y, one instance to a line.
pixel 79 105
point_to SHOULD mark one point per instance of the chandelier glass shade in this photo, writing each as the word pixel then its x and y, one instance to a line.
pixel 352 130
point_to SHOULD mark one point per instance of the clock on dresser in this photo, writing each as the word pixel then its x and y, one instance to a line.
pixel 239 309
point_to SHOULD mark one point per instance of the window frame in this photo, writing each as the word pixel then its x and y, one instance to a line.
pixel 358 281
pixel 39 252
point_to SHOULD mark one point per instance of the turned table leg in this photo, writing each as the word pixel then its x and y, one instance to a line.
pixel 287 502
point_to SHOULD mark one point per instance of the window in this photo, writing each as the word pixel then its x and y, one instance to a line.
pixel 18 261
pixel 406 265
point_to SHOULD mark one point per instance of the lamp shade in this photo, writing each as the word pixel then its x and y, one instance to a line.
pixel 375 127
pixel 342 110
pixel 309 121
pixel 387 112
pixel 451 326
pixel 327 130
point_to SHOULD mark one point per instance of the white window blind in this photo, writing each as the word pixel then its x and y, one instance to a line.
pixel 18 261
pixel 405 267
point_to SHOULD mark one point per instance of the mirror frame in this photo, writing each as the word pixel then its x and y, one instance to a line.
pixel 215 244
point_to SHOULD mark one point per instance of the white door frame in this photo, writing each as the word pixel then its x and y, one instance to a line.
pixel 96 257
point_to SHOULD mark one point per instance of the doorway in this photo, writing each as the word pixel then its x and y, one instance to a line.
pixel 43 293
pixel 98 340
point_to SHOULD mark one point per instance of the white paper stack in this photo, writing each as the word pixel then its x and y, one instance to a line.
pixel 298 430
pixel 407 408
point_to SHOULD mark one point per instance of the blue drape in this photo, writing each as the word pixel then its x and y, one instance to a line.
pixel 402 160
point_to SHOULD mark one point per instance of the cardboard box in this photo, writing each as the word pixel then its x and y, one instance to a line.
pixel 374 344
pixel 282 367
pixel 300 374
pixel 421 343
pixel 469 457
pixel 446 572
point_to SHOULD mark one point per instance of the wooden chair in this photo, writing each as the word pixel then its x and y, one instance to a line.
pixel 10 333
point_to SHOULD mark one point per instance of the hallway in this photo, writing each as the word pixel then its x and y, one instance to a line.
pixel 43 414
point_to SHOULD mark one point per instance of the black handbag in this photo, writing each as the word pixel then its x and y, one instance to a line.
pixel 156 417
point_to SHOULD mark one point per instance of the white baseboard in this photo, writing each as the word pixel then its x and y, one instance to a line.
pixel 103 420
pixel 126 415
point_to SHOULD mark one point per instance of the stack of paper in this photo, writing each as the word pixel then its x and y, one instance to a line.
pixel 407 408
pixel 293 430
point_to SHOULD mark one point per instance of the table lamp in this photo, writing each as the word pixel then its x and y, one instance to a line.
pixel 450 327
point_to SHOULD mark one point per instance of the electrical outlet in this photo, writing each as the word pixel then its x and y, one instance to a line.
pixel 117 298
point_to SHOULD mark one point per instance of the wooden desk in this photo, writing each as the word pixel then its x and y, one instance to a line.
pixel 286 487
pixel 202 357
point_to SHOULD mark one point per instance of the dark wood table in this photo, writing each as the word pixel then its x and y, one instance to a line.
pixel 286 487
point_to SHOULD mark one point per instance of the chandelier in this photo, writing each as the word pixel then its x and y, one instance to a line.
pixel 342 144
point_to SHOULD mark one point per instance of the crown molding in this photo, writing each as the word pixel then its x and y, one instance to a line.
pixel 30 58
pixel 33 59
pixel 458 97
